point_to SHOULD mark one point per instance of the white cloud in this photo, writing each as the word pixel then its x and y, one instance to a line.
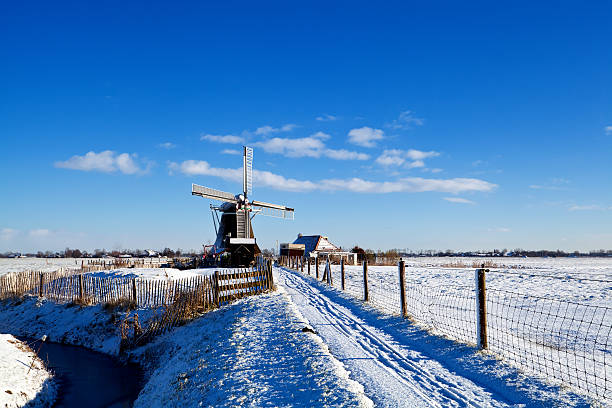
pixel 343 154
pixel 266 130
pixel 406 120
pixel 231 151
pixel 107 161
pixel 357 185
pixel 320 135
pixel 458 200
pixel 39 232
pixel 499 229
pixel 408 158
pixel 326 118
pixel 593 207
pixel 608 130
pixel 230 139
pixel 6 234
pixel 312 146
pixel 166 145
pixel 365 136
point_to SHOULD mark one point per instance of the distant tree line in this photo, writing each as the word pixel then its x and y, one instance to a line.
pixel 369 254
pixel 518 252
pixel 101 253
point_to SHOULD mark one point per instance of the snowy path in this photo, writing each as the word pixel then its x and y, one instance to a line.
pixel 392 374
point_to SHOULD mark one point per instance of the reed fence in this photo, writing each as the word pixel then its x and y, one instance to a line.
pixel 175 300
pixel 562 341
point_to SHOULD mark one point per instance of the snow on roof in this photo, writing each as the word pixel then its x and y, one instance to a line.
pixel 315 243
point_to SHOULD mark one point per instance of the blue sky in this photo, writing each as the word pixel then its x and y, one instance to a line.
pixel 401 125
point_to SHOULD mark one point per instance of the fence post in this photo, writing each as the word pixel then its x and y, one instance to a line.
pixel 366 293
pixel 402 280
pixel 216 289
pixel 81 288
pixel 302 264
pixel 271 277
pixel 481 309
pixel 309 266
pixel 342 272
pixel 134 293
pixel 42 280
pixel 317 267
pixel 329 274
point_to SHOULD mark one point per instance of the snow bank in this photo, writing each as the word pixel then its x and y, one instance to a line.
pixel 251 353
pixel 91 327
pixel 23 376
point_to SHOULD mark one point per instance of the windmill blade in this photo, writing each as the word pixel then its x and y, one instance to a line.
pixel 212 193
pixel 273 210
pixel 247 169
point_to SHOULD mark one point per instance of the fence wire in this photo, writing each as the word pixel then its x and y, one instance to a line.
pixel 564 341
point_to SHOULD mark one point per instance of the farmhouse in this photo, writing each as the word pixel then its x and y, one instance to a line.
pixel 319 246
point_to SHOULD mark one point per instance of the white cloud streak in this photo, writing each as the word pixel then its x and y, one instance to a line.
pixel 266 130
pixel 6 234
pixel 231 151
pixel 365 136
pixel 406 120
pixel 356 185
pixel 42 232
pixel 166 145
pixel 311 146
pixel 229 139
pixel 608 130
pixel 592 207
pixel 107 161
pixel 407 158
pixel 326 118
pixel 458 200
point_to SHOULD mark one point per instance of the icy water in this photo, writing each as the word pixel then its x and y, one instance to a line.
pixel 90 379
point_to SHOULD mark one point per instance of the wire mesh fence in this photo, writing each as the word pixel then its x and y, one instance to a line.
pixel 564 339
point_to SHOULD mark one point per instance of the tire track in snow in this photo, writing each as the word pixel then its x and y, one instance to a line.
pixel 391 374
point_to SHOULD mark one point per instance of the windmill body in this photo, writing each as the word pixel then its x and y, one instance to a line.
pixel 235 235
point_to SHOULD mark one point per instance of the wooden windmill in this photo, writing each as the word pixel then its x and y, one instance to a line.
pixel 234 230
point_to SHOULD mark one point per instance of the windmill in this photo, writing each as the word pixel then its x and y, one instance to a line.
pixel 234 228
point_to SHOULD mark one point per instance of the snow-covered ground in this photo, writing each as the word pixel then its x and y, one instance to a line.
pixel 551 317
pixel 252 353
pixel 249 353
pixel 400 365
pixel 36 264
pixel 23 376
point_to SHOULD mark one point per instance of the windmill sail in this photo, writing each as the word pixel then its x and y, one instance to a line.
pixel 273 210
pixel 211 193
pixel 248 171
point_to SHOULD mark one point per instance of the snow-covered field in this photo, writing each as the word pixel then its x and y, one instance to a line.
pixel 36 264
pixel 400 365
pixel 551 317
pixel 23 376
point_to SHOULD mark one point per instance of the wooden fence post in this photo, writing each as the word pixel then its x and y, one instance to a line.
pixel 308 266
pixel 481 309
pixel 42 281
pixel 366 293
pixel 342 272
pixel 317 266
pixel 302 264
pixel 402 282
pixel 271 277
pixel 134 293
pixel 81 288
pixel 216 289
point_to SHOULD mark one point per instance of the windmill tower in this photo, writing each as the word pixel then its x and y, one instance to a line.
pixel 234 229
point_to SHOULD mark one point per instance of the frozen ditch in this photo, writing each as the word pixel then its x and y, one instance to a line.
pixel 81 373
